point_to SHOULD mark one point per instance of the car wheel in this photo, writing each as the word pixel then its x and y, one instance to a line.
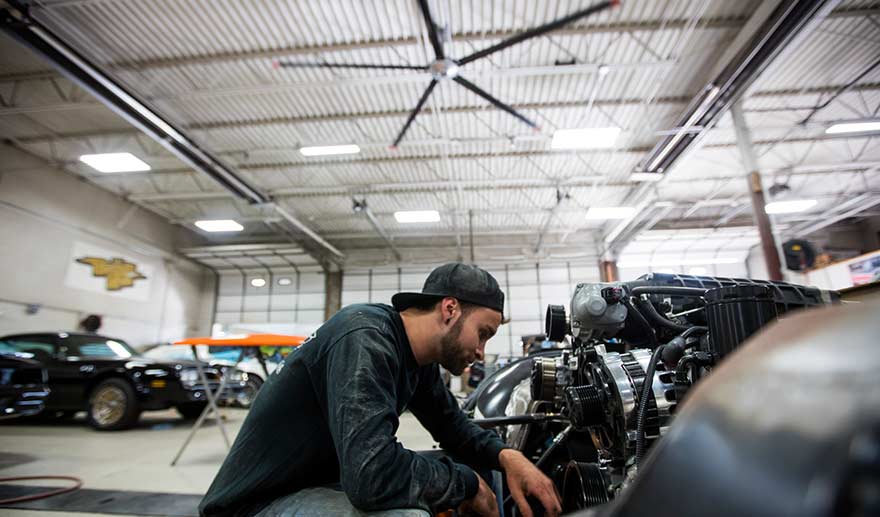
pixel 247 395
pixel 191 410
pixel 113 405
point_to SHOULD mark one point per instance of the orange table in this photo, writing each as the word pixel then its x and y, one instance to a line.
pixel 244 341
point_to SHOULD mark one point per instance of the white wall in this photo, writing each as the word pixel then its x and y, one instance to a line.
pixel 528 289
pixel 45 214
pixel 297 308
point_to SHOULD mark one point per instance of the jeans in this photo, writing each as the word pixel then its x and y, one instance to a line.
pixel 325 501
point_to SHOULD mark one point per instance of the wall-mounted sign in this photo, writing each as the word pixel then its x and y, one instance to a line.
pixel 110 272
pixel 117 271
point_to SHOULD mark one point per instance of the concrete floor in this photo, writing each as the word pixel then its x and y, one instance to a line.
pixel 137 459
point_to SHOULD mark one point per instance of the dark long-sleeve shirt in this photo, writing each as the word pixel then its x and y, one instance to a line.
pixel 329 414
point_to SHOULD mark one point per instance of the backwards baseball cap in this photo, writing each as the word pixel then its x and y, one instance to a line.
pixel 461 281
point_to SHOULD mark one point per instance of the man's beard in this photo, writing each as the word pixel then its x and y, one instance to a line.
pixel 452 354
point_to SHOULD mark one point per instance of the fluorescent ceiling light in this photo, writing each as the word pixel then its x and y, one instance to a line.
pixel 610 212
pixel 854 127
pixel 220 225
pixel 417 216
pixel 258 282
pixel 585 138
pixel 114 162
pixel 646 176
pixel 327 150
pixel 789 207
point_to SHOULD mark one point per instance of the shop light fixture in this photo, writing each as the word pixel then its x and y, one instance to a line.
pixel 328 150
pixel 114 162
pixel 585 138
pixel 789 207
pixel 258 282
pixel 610 212
pixel 417 216
pixel 284 281
pixel 861 126
pixel 220 225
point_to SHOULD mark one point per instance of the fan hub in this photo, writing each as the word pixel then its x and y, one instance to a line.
pixel 444 69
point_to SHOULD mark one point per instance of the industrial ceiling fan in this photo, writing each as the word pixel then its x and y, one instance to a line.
pixel 444 67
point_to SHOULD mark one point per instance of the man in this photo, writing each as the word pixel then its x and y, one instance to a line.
pixel 328 415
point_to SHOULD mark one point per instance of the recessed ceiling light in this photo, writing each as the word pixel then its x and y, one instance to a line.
pixel 585 138
pixel 114 162
pixel 789 207
pixel 610 212
pixel 220 225
pixel 258 282
pixel 284 281
pixel 327 150
pixel 854 127
pixel 417 216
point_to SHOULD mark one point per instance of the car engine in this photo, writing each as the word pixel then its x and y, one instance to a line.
pixel 589 414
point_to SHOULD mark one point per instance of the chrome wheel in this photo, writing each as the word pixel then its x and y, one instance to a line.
pixel 108 405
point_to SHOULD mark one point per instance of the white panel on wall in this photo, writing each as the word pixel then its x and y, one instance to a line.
pixel 302 301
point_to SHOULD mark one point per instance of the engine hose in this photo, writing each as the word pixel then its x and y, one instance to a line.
pixel 670 290
pixel 651 313
pixel 643 403
pixel 692 330
pixel 683 368
pixel 641 319
pixel 561 437
pixel 33 497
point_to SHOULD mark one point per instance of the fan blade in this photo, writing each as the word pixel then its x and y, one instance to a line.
pixel 308 64
pixel 415 111
pixel 495 102
pixel 537 31
pixel 432 30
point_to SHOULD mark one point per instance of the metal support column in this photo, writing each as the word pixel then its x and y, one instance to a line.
pixel 756 192
pixel 608 271
pixel 333 288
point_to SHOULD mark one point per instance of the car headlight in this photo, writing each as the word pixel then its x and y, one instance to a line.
pixel 189 377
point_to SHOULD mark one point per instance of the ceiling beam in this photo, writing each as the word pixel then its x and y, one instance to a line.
pixel 496 184
pixel 717 23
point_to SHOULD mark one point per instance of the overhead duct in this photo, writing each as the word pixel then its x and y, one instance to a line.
pixel 360 207
pixel 786 22
pixel 17 22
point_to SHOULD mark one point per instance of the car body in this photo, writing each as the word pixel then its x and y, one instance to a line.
pixel 23 386
pixel 223 357
pixel 108 379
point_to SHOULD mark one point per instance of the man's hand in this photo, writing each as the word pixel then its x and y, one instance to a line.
pixel 524 479
pixel 484 503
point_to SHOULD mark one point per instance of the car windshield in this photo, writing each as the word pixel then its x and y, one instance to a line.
pixel 79 346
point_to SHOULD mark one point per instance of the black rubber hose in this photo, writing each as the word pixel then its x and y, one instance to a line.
pixel 647 384
pixel 670 290
pixel 682 369
pixel 651 313
pixel 691 330
pixel 642 321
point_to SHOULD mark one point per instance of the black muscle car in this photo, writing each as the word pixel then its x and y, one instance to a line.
pixel 105 377
pixel 23 386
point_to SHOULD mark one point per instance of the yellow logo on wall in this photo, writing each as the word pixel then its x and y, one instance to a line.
pixel 119 273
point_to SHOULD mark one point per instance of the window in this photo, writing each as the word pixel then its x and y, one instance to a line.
pixel 31 347
pixel 79 347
